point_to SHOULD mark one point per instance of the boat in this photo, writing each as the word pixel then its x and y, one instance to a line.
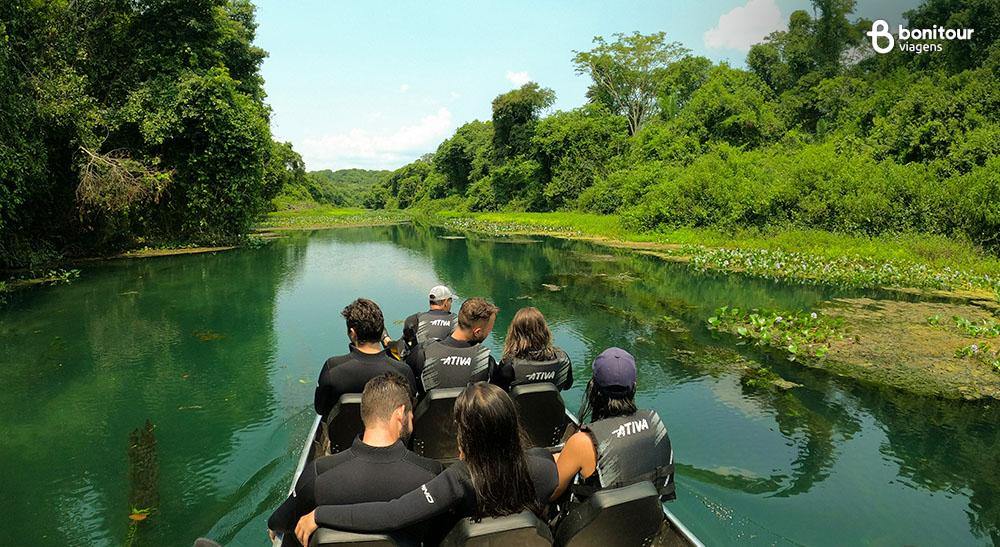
pixel 622 516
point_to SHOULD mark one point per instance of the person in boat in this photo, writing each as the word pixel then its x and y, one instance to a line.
pixel 461 357
pixel 365 360
pixel 377 467
pixel 495 476
pixel 434 324
pixel 621 445
pixel 529 356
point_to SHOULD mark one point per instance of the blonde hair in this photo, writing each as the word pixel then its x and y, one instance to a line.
pixel 528 337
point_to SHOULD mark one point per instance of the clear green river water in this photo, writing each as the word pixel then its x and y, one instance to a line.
pixel 221 351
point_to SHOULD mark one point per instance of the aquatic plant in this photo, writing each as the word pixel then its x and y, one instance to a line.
pixel 847 271
pixel 984 329
pixel 800 333
pixel 983 352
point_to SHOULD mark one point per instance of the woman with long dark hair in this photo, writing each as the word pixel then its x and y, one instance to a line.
pixel 495 475
pixel 619 444
pixel 529 356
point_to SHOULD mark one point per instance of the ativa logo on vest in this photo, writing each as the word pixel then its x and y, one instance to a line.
pixel 883 41
pixel 551 375
pixel 457 360
pixel 629 428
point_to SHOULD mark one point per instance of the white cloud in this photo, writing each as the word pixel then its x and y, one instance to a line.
pixel 404 88
pixel 518 78
pixel 455 95
pixel 389 150
pixel 746 25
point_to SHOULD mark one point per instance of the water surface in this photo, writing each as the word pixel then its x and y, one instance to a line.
pixel 220 352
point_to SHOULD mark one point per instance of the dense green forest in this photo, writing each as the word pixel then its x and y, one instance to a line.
pixel 342 188
pixel 131 122
pixel 818 131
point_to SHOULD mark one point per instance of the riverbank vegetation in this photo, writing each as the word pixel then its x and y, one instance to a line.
pixel 344 188
pixel 820 147
pixel 130 124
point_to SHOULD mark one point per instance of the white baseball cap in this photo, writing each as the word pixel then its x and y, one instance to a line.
pixel 440 293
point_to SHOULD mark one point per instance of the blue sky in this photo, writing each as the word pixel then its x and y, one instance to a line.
pixel 376 83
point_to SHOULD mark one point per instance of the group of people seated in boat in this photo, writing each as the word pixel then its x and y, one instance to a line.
pixel 379 485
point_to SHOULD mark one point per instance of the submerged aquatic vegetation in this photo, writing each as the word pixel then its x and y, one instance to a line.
pixel 801 334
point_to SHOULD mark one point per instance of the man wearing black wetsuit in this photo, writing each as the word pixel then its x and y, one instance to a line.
pixel 366 359
pixel 435 324
pixel 378 467
pixel 461 358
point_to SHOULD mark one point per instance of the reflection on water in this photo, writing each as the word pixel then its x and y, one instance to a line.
pixel 221 353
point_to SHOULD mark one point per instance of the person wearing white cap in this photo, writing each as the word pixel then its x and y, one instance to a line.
pixel 434 324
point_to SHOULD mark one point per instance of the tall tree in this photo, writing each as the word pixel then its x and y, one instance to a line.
pixel 514 116
pixel 628 73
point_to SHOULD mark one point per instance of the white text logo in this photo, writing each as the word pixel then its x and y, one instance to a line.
pixel 629 428
pixel 456 360
pixel 901 41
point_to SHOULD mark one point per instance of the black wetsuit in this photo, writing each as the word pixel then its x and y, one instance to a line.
pixel 429 325
pixel 450 363
pixel 349 374
pixel 359 474
pixel 451 490
pixel 512 372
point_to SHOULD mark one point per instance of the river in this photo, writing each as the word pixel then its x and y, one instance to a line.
pixel 220 353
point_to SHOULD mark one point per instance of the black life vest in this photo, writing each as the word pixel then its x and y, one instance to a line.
pixel 556 370
pixel 433 325
pixel 630 449
pixel 447 366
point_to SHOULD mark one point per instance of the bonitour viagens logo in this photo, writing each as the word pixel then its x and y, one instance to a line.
pixel 884 41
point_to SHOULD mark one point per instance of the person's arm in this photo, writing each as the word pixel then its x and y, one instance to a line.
pixel 302 500
pixel 431 499
pixel 503 375
pixel 415 360
pixel 569 375
pixel 386 339
pixel 410 330
pixel 323 399
pixel 577 455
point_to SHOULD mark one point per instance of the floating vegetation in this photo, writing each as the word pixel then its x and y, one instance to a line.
pixel 983 329
pixel 501 228
pixel 206 335
pixel 985 353
pixel 143 479
pixel 852 271
pixel 799 333
pixel 551 287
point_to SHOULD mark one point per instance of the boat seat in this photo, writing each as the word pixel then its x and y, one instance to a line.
pixel 542 412
pixel 522 529
pixel 343 425
pixel 325 536
pixel 626 517
pixel 434 424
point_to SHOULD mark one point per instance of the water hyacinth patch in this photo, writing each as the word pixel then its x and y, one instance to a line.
pixel 799 333
pixel 984 353
pixel 984 329
pixel 854 271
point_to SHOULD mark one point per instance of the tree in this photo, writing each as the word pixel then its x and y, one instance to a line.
pixel 464 158
pixel 628 73
pixel 514 117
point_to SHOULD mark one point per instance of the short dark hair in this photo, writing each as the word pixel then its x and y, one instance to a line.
pixel 383 394
pixel 365 317
pixel 475 311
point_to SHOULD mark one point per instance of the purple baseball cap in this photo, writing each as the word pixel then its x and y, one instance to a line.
pixel 615 372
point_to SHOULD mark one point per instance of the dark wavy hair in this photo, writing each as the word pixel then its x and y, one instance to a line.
pixel 365 317
pixel 598 405
pixel 490 440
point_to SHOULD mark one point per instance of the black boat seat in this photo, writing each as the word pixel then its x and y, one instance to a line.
pixel 344 424
pixel 628 517
pixel 522 529
pixel 325 536
pixel 542 412
pixel 434 424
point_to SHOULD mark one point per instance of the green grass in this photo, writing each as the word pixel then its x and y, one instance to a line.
pixel 327 216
